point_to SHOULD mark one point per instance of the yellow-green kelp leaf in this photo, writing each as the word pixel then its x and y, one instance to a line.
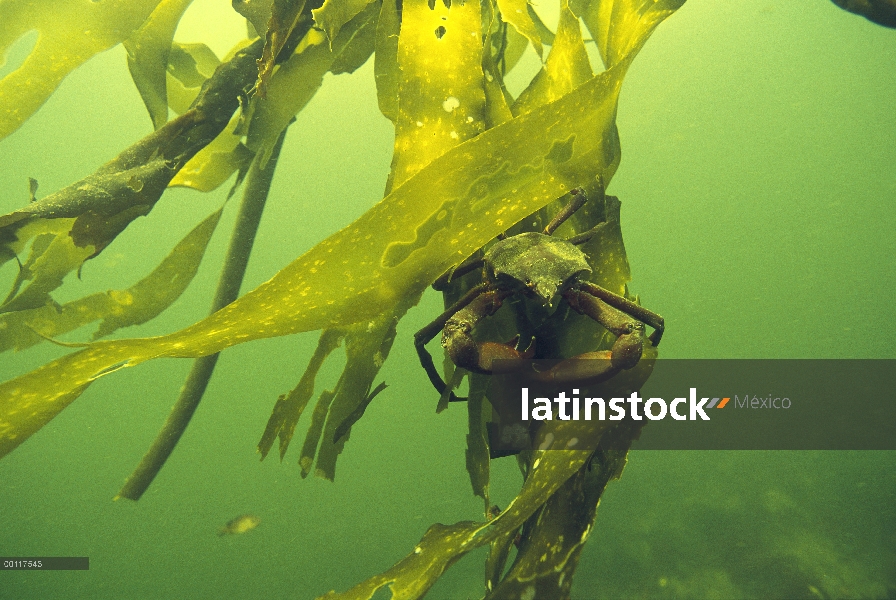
pixel 385 60
pixel 289 407
pixel 516 12
pixel 53 255
pixel 117 308
pixel 297 80
pixel 366 346
pixel 214 164
pixel 566 68
pixel 442 545
pixel 441 96
pixel 70 32
pixel 620 27
pixel 559 530
pixel 547 472
pixel 432 222
pixel 333 14
pixel 495 63
pixel 148 51
pixel 189 65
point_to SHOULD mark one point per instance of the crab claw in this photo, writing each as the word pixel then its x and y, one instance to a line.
pixel 492 351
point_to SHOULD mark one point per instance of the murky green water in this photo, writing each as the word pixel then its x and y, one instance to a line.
pixel 757 181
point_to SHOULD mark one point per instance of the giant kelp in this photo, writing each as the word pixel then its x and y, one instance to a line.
pixel 470 162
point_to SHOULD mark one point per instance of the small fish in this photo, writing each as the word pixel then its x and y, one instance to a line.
pixel 240 524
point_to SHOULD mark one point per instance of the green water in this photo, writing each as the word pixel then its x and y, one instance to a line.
pixel 758 179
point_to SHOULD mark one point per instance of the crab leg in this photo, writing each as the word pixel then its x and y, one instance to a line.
pixel 470 264
pixel 628 307
pixel 422 337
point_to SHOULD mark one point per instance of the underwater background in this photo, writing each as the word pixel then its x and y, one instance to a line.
pixel 757 186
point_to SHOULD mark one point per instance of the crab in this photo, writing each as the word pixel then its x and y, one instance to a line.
pixel 548 270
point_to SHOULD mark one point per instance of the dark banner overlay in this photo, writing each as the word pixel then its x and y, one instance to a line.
pixel 694 405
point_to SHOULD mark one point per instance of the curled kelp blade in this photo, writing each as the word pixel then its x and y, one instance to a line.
pixel 285 18
pixel 148 50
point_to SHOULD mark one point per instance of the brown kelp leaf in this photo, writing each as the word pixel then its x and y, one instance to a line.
pixel 477 454
pixel 93 211
pixel 333 14
pixel 285 17
pixel 71 31
pixel 188 68
pixel 117 308
pixel 148 50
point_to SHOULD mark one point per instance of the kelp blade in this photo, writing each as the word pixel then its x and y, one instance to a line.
pixel 439 216
pixel 433 221
pixel 71 32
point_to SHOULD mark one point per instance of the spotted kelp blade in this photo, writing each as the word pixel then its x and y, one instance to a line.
pixel 430 223
pixel 434 220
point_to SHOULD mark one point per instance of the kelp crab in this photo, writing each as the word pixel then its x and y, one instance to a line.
pixel 544 268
